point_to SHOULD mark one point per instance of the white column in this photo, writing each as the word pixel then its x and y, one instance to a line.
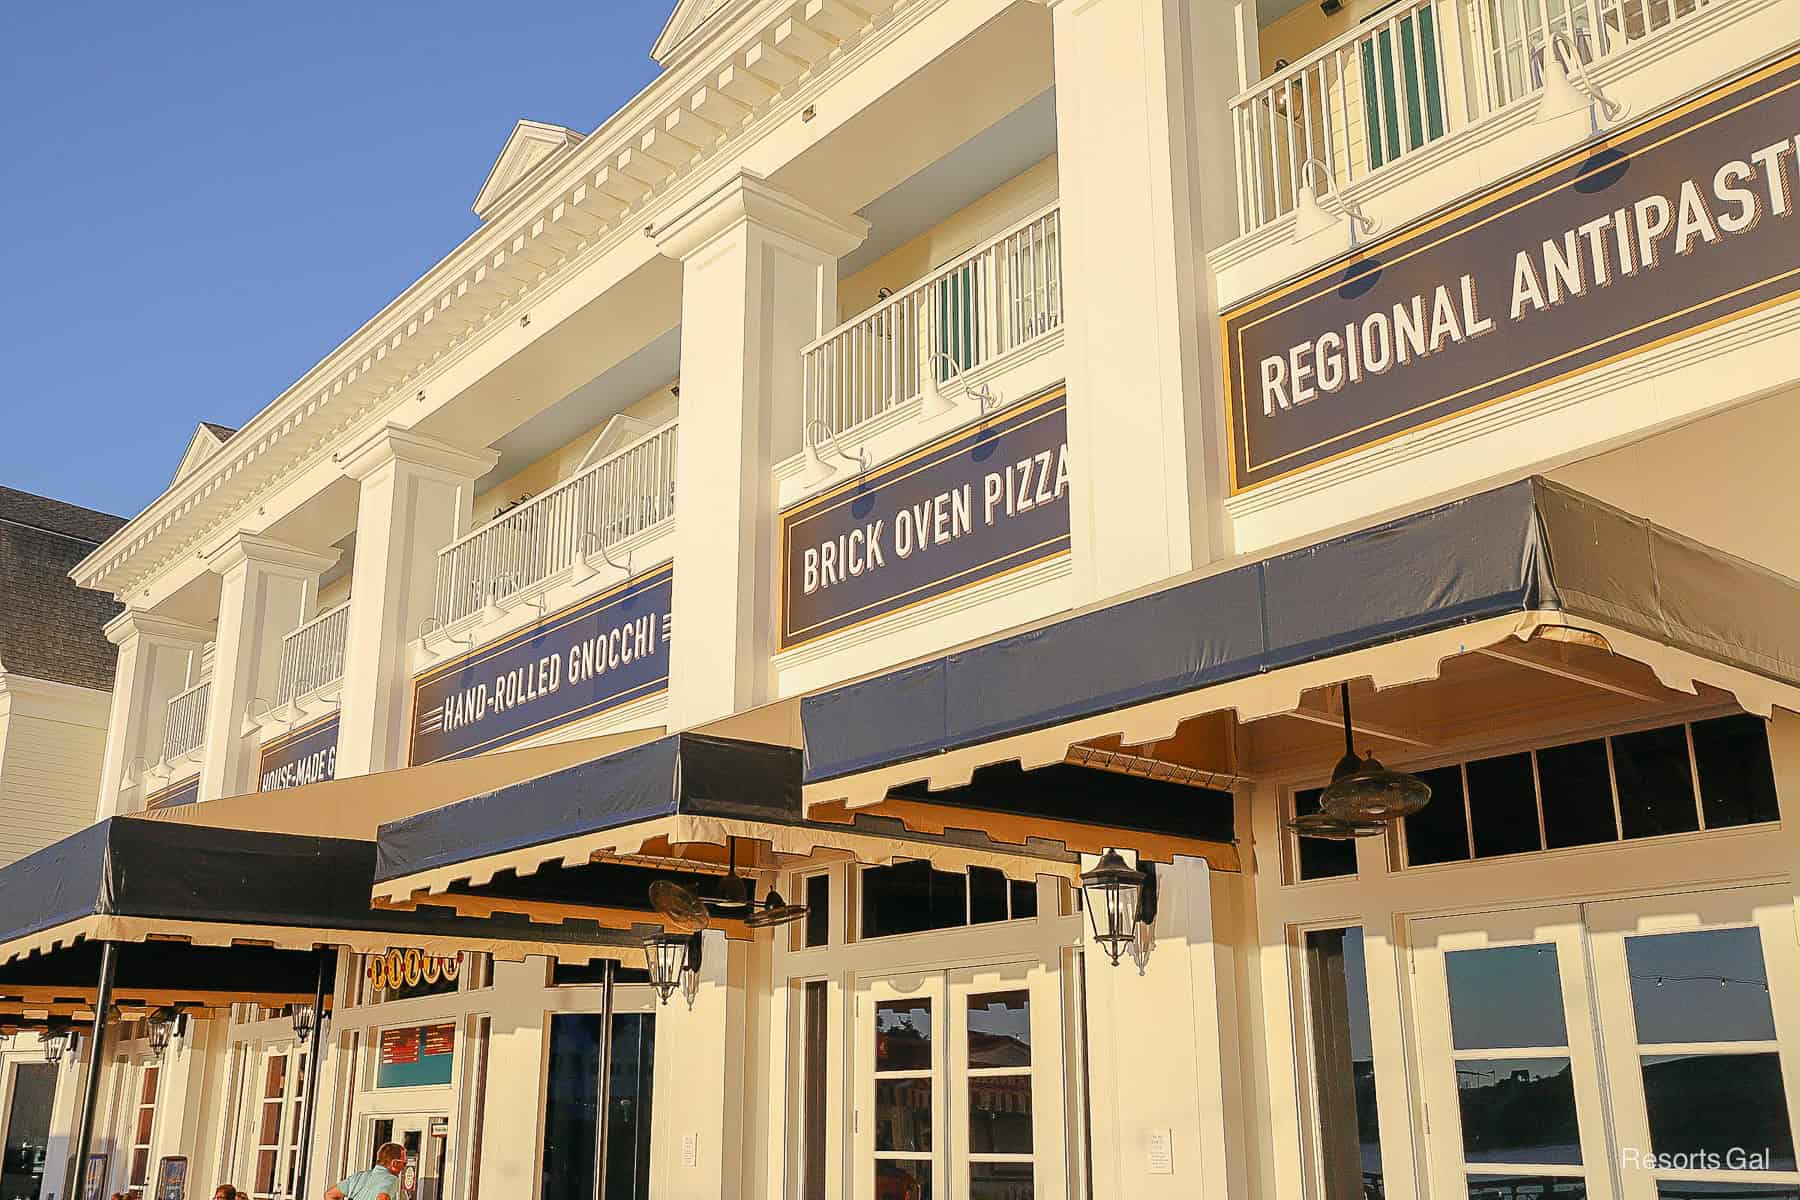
pixel 416 497
pixel 1145 163
pixel 759 281
pixel 265 586
pixel 154 653
pixel 1157 1047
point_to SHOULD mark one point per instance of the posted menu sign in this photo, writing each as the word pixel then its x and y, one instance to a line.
pixel 302 756
pixel 973 505
pixel 584 660
pixel 1675 224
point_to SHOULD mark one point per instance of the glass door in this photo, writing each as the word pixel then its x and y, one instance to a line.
pixel 426 1137
pixel 27 1130
pixel 1700 1003
pixel 960 1086
pixel 1512 1078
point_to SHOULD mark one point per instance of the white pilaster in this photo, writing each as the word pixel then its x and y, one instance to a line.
pixel 265 587
pixel 759 281
pixel 1144 155
pixel 416 498
pixel 1157 1066
pixel 154 653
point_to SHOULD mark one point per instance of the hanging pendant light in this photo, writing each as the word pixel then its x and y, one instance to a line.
pixel 1361 789
pixel 1111 892
pixel 1334 829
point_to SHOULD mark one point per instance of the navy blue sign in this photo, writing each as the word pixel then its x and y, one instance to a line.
pixel 175 795
pixel 972 505
pixel 593 656
pixel 306 755
pixel 1656 232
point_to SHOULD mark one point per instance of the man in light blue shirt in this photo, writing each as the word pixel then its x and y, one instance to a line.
pixel 379 1182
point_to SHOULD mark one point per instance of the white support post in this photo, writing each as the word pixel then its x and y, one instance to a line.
pixel 264 587
pixel 759 282
pixel 154 653
pixel 1143 142
pixel 416 496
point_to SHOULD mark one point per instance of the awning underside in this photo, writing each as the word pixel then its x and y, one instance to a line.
pixel 552 848
pixel 186 887
pixel 1554 582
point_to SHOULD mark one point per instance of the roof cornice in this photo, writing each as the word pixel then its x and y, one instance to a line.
pixel 755 68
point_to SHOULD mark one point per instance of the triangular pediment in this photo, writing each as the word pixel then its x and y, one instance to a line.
pixel 531 145
pixel 207 441
pixel 688 17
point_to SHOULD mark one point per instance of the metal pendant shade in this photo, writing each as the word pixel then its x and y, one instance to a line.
pixel 1335 829
pixel 774 911
pixel 1361 789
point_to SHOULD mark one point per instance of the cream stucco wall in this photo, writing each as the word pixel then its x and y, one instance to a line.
pixel 956 234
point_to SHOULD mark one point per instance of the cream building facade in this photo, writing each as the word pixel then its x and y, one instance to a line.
pixel 908 451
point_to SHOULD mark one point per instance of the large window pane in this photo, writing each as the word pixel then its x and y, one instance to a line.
pixel 1518 1110
pixel 818 910
pixel 570 1107
pixel 1576 785
pixel 1705 986
pixel 1320 858
pixel 987 895
pixel 629 1106
pixel 1737 781
pixel 902 1179
pixel 1000 1181
pixel 1509 997
pixel 1000 1030
pixel 1656 782
pixel 1503 805
pixel 1440 831
pixel 1527 1187
pixel 1723 1109
pixel 903 1115
pixel 1688 1189
pixel 903 1035
pixel 911 898
pixel 1349 1131
pixel 1000 1114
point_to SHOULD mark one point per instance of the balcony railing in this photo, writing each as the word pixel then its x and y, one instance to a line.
pixel 184 729
pixel 312 656
pixel 618 497
pixel 991 301
pixel 1389 88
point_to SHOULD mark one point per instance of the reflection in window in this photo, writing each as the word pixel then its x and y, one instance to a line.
pixel 903 1035
pixel 1000 1114
pixel 903 1115
pixel 1517 1110
pixel 1728 1109
pixel 903 1179
pixel 1690 1189
pixel 1000 1181
pixel 1000 1030
pixel 1527 1187
pixel 1343 1064
pixel 1349 1134
pixel 1705 986
pixel 1505 998
pixel 912 898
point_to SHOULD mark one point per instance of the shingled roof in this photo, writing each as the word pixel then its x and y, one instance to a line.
pixel 49 628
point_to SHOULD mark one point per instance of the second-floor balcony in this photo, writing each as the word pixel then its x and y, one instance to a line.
pixel 312 657
pixel 628 493
pixel 184 728
pixel 1417 72
pixel 966 315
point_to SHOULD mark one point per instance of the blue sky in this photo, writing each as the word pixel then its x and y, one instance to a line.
pixel 201 200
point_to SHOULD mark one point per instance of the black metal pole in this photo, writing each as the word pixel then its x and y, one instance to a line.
pixel 603 1101
pixel 84 1129
pixel 314 1059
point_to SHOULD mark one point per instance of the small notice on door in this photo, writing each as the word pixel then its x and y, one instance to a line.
pixel 1161 1153
pixel 690 1149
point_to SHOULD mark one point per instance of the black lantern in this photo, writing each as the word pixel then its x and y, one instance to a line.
pixel 674 961
pixel 162 1028
pixel 1112 892
pixel 305 1019
pixel 1362 790
pixel 59 1042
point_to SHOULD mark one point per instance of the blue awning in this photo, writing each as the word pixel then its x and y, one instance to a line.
pixel 1532 546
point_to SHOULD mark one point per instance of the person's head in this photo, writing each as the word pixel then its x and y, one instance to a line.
pixel 391 1155
pixel 225 1192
